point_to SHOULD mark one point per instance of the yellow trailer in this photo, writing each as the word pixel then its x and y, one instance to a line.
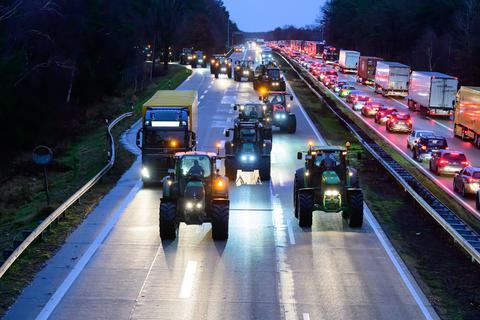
pixel 467 115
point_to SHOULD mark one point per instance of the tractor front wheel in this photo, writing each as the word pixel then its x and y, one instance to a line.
pixel 168 223
pixel 305 208
pixel 220 218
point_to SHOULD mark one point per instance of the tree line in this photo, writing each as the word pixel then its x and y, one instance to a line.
pixel 58 57
pixel 439 35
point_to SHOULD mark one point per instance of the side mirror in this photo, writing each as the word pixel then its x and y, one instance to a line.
pixel 194 139
pixel 139 145
pixel 260 98
pixel 227 133
pixel 235 107
pixel 291 98
pixel 299 155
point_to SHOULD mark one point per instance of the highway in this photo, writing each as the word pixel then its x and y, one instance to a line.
pixel 442 127
pixel 115 266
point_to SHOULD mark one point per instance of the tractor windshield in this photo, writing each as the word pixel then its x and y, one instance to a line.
pixel 252 110
pixel 276 99
pixel 274 73
pixel 196 165
pixel 248 135
pixel 327 161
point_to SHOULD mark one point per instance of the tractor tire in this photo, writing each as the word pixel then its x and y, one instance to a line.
pixel 283 87
pixel 305 208
pixel 229 75
pixel 216 75
pixel 355 209
pixel 168 223
pixel 230 170
pixel 296 184
pixel 265 170
pixel 292 124
pixel 220 218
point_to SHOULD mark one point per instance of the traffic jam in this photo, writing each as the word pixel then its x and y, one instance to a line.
pixel 424 115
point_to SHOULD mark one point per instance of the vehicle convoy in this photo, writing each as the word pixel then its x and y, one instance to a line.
pixel 432 93
pixel 391 79
pixel 366 69
pixel 348 61
pixel 267 56
pixel 198 59
pixel 169 123
pixel 330 55
pixel 268 78
pixel 249 149
pixel 186 56
pixel 243 70
pixel 328 184
pixel 278 110
pixel 194 193
pixel 467 108
pixel 221 65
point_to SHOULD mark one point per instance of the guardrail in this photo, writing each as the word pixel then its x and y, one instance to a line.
pixel 64 206
pixel 467 238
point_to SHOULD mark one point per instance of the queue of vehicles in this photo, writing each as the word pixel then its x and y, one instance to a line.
pixel 430 93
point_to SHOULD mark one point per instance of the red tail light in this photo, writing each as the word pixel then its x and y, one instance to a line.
pixel 442 161
pixel 471 180
pixel 369 99
pixel 465 163
pixel 356 99
pixel 409 121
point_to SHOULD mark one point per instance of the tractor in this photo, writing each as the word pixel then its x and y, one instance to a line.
pixel 327 183
pixel 278 110
pixel 221 65
pixel 268 78
pixel 249 149
pixel 243 70
pixel 194 193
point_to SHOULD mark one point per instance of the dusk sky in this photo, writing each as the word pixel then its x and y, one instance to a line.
pixel 266 15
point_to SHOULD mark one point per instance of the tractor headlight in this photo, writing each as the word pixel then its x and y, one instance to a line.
pixel 145 173
pixel 224 69
pixel 332 193
pixel 251 158
pixel 243 158
pixel 277 116
pixel 189 205
pixel 246 73
pixel 283 116
pixel 198 205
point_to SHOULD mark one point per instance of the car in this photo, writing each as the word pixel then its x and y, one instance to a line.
pixel 447 162
pixel 467 180
pixel 345 90
pixel 399 122
pixel 371 108
pixel 332 82
pixel 350 98
pixel 329 79
pixel 426 145
pixel 359 101
pixel 325 72
pixel 339 85
pixel 413 137
pixel 383 114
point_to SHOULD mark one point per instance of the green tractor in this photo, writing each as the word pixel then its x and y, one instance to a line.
pixel 328 184
pixel 194 193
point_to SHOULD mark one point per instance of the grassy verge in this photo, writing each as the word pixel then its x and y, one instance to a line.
pixel 23 203
pixel 445 274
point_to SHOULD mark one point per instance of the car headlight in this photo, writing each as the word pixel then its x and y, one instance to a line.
pixel 332 193
pixel 145 173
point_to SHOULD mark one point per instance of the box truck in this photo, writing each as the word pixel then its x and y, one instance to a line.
pixel 432 93
pixel 466 124
pixel 366 69
pixel 348 61
pixel 169 125
pixel 391 78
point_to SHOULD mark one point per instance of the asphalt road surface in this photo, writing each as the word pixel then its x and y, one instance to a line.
pixel 115 266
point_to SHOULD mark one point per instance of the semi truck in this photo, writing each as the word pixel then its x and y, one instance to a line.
pixel 330 55
pixel 169 125
pixel 366 69
pixel 432 93
pixel 466 124
pixel 391 79
pixel 348 61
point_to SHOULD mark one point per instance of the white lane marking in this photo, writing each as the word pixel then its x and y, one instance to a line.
pixel 407 278
pixel 306 316
pixel 321 140
pixel 291 236
pixel 187 283
pixel 201 97
pixel 205 92
pixel 209 86
pixel 73 275
pixel 441 124
pixel 145 282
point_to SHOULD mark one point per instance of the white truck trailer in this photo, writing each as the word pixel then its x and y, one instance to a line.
pixel 348 61
pixel 432 93
pixel 391 79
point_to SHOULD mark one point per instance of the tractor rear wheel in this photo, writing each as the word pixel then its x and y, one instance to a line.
pixel 265 170
pixel 230 170
pixel 305 208
pixel 355 209
pixel 292 123
pixel 220 218
pixel 168 223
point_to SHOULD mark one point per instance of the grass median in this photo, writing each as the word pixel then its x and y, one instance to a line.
pixel 446 275
pixel 77 160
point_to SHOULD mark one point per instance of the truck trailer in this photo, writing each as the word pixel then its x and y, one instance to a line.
pixel 432 93
pixel 366 69
pixel 391 79
pixel 169 125
pixel 466 124
pixel 348 61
